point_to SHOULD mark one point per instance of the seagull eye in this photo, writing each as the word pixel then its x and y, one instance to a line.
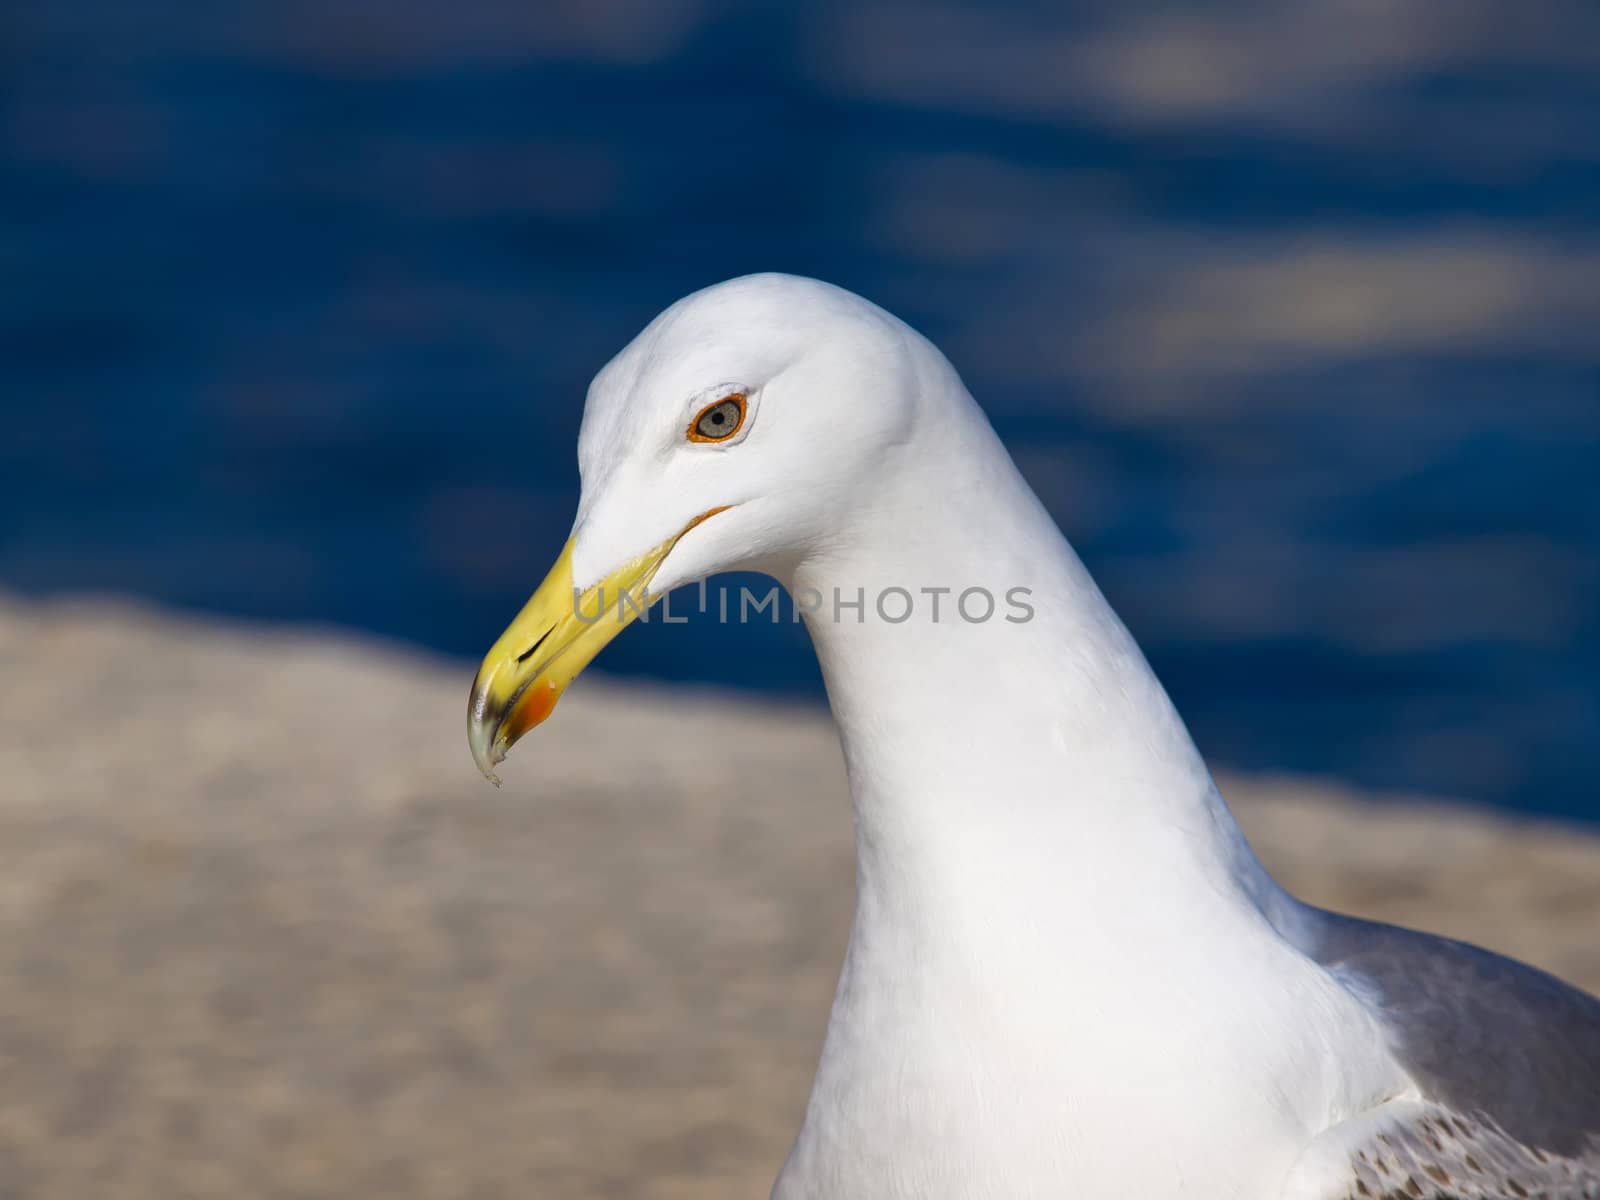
pixel 719 421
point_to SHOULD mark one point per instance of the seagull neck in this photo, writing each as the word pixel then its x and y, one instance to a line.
pixel 1010 725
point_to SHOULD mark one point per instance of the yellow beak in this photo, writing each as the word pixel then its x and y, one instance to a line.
pixel 555 636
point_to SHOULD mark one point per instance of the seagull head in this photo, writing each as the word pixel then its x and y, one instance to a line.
pixel 734 433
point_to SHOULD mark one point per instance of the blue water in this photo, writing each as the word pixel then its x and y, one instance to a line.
pixel 1290 317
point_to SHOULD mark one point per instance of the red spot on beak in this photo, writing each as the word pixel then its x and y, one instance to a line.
pixel 537 703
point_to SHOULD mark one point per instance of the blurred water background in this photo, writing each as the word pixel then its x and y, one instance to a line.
pixel 1291 313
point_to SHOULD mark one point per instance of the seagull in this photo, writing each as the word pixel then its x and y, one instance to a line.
pixel 1067 975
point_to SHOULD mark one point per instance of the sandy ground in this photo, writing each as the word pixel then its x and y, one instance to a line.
pixel 265 933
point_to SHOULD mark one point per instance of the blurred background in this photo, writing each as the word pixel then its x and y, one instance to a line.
pixel 1289 311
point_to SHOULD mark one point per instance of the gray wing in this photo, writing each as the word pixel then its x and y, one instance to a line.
pixel 1478 1032
pixel 1506 1059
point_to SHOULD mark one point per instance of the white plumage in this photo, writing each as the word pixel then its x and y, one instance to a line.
pixel 1068 975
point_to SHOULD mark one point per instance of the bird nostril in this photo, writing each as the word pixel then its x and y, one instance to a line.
pixel 529 652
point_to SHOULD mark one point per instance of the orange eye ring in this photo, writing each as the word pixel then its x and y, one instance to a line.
pixel 719 420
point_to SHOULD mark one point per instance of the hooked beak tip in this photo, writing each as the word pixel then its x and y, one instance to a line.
pixel 483 731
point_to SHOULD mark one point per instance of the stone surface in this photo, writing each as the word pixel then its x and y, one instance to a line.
pixel 265 933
